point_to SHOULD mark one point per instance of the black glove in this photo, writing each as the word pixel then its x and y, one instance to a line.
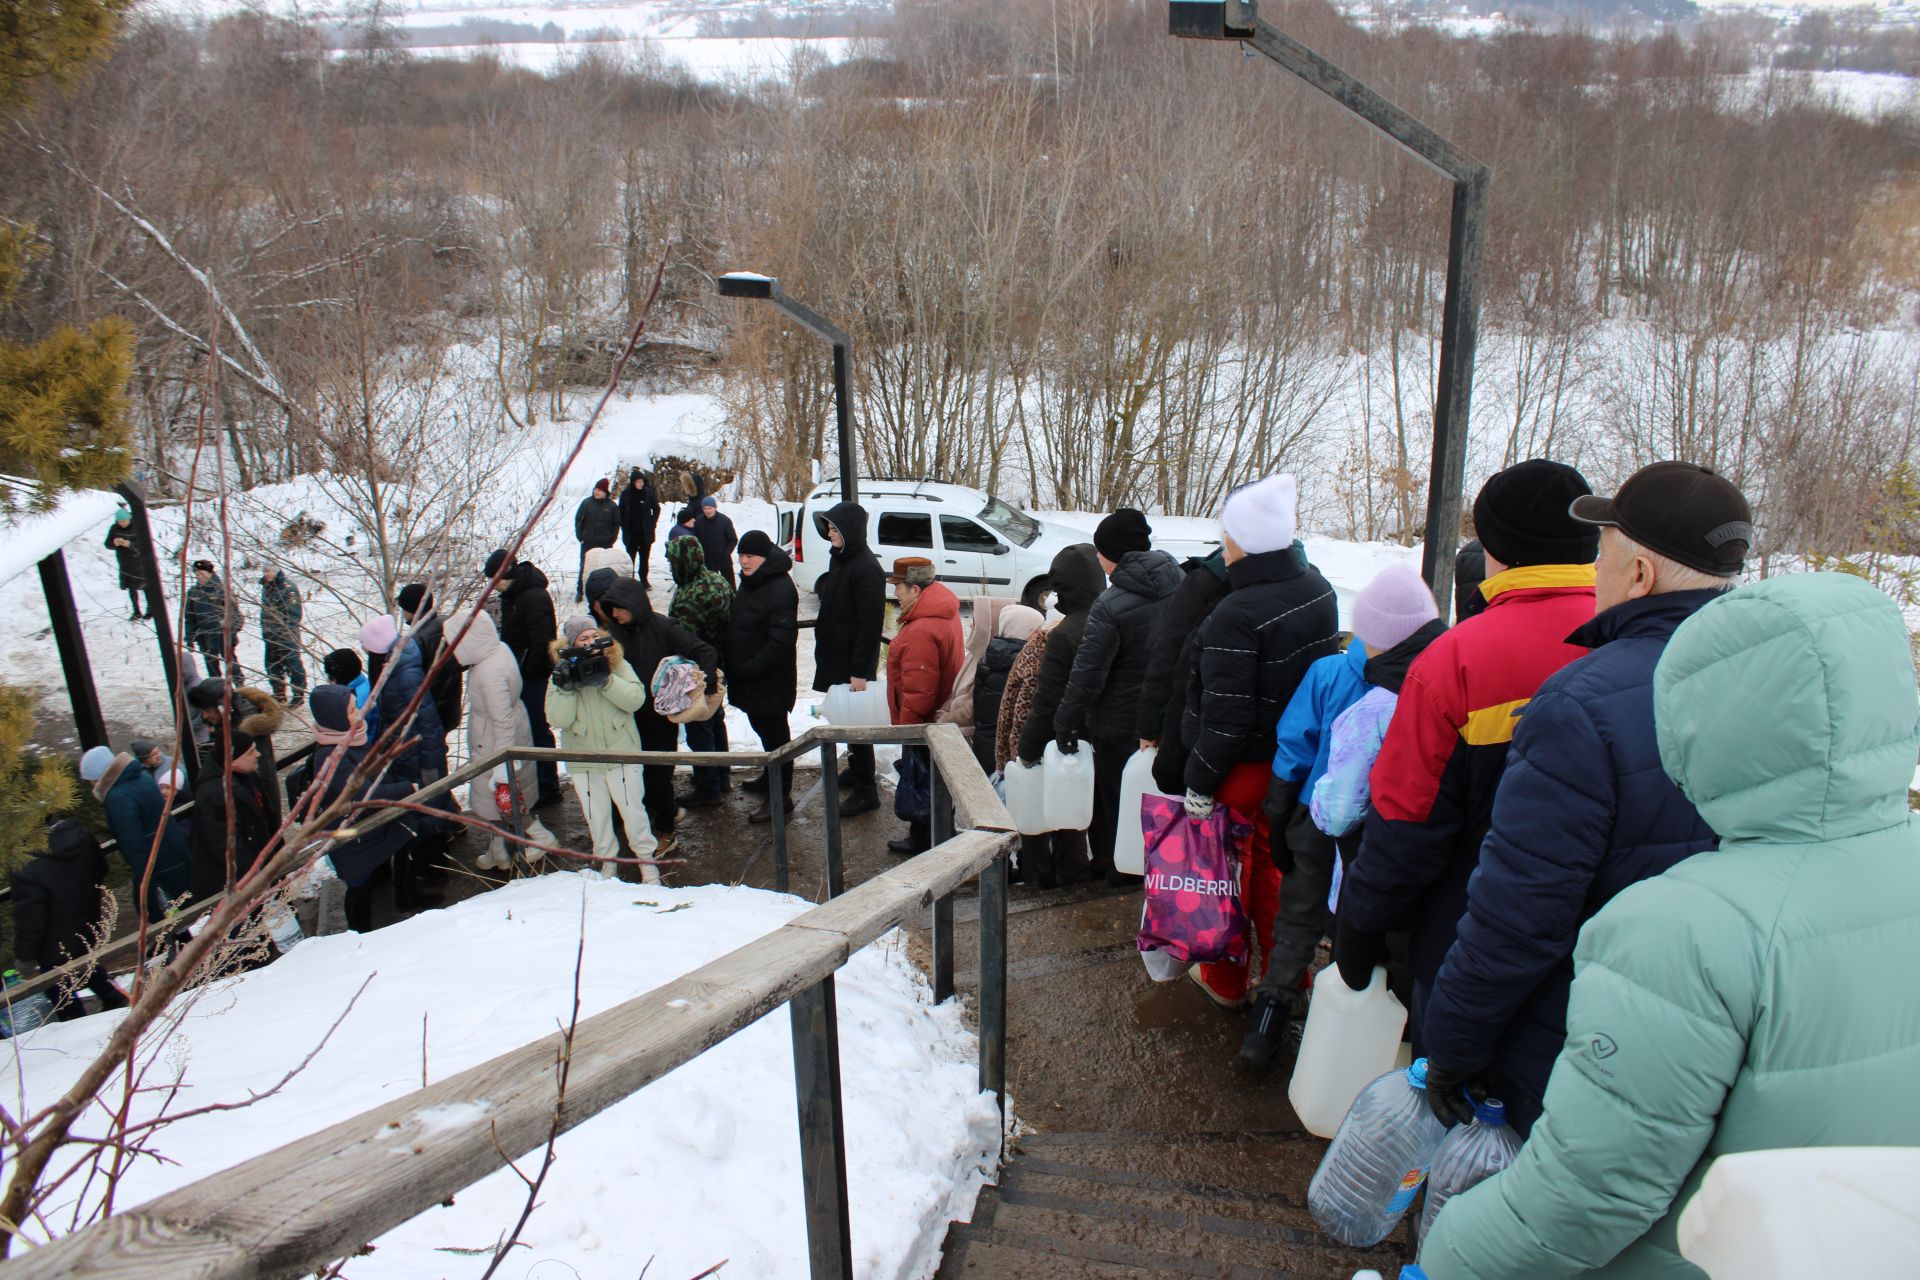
pixel 1358 952
pixel 1282 796
pixel 1451 1094
pixel 563 676
pixel 1069 746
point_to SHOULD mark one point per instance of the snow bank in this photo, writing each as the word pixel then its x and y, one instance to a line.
pixel 700 1166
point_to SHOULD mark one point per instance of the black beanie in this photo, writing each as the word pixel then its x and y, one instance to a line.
pixel 1521 516
pixel 1123 531
pixel 755 543
pixel 342 666
pixel 410 596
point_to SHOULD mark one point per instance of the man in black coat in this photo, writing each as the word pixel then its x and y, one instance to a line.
pixel 762 637
pixel 596 524
pixel 646 638
pixel 1163 690
pixel 717 537
pixel 58 906
pixel 430 632
pixel 527 628
pixel 236 757
pixel 1102 696
pixel 846 640
pixel 639 518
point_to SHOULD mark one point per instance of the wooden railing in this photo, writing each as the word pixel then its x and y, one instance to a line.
pixel 291 1210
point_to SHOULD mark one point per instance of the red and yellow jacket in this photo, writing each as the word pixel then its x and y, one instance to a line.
pixel 1446 749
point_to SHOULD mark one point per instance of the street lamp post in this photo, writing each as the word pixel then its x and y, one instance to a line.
pixel 749 284
pixel 1466 246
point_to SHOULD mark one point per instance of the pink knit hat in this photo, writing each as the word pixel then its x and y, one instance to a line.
pixel 1392 607
pixel 379 635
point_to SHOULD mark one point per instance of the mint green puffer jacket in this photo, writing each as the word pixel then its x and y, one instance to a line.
pixel 1762 995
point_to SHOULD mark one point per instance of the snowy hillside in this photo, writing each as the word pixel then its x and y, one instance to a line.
pixel 699 1167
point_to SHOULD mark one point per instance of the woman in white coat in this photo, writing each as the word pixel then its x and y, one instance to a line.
pixel 497 719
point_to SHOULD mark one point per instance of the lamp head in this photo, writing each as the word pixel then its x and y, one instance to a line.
pixel 746 284
pixel 1210 19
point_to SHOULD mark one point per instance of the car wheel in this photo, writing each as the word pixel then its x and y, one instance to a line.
pixel 1035 596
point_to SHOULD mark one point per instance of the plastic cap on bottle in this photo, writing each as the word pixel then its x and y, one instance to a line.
pixel 1417 1073
pixel 1412 1271
pixel 1490 1111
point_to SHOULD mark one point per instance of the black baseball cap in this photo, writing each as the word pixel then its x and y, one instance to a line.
pixel 1685 512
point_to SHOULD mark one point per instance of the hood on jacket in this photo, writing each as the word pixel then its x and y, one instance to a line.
pixel 850 518
pixel 599 580
pixel 1214 563
pixel 629 595
pixel 1785 710
pixel 524 576
pixel 936 602
pixel 1152 574
pixel 1018 622
pixel 688 559
pixel 776 564
pixel 264 717
pixel 482 638
pixel 1388 670
pixel 331 705
pixel 1076 578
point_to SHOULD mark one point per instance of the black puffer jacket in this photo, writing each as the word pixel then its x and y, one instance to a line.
pixel 1469 571
pixel 1103 694
pixel 1163 692
pixel 762 635
pixel 596 522
pixel 989 688
pixel 639 512
pixel 207 838
pixel 650 639
pixel 56 897
pixel 443 686
pixel 1278 617
pixel 527 624
pixel 853 605
pixel 1077 583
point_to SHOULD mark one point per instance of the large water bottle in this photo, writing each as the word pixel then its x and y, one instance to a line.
pixel 1378 1160
pixel 1470 1154
pixel 1351 1037
pixel 1026 798
pixel 20 1016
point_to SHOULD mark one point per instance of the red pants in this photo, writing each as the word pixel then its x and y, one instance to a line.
pixel 1245 792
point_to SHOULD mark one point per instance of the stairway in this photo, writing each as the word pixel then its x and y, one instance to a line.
pixel 1101 1206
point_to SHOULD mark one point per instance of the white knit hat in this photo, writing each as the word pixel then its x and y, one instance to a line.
pixel 1260 517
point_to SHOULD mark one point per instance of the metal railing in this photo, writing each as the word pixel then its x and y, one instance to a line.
pixel 291 1210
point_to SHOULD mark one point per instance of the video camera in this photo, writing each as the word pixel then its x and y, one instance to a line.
pixel 584 666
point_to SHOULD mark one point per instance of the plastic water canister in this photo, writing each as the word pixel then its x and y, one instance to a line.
pixel 1026 798
pixel 1130 840
pixel 1351 1038
pixel 1813 1211
pixel 1471 1154
pixel 285 931
pixel 1067 785
pixel 1378 1161
pixel 868 706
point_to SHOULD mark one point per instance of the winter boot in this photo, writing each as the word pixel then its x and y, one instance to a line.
pixel 1273 1031
pixel 757 784
pixel 919 839
pixel 1036 861
pixel 863 799
pixel 764 814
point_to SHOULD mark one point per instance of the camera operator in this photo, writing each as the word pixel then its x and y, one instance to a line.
pixel 591 699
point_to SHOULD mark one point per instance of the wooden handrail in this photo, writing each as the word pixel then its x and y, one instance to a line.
pixel 287 1211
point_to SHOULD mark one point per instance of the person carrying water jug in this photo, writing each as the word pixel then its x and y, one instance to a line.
pixel 1759 996
pixel 1583 810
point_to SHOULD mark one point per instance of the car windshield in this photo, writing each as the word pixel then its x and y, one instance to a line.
pixel 1011 523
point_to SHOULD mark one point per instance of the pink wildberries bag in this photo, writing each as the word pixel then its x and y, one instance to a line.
pixel 1193 911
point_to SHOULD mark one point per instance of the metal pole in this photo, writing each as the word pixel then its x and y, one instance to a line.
pixel 1459 332
pixel 993 980
pixel 88 722
pixel 830 802
pixel 777 807
pixel 843 415
pixel 823 1135
pixel 187 756
pixel 943 905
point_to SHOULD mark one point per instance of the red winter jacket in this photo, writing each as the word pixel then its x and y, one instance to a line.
pixel 924 659
pixel 1446 749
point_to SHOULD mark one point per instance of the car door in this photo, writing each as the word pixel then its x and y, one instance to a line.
pixel 973 559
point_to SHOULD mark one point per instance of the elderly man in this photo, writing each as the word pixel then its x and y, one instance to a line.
pixel 1584 810
pixel 922 663
pixel 1756 997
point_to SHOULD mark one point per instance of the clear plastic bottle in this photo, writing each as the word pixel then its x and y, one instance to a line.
pixel 1470 1154
pixel 1378 1161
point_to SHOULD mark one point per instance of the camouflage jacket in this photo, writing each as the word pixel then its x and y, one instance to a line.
pixel 702 600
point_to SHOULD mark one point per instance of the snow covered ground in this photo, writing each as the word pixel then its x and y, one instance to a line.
pixel 700 1166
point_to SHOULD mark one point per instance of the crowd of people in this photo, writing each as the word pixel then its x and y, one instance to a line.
pixel 1633 844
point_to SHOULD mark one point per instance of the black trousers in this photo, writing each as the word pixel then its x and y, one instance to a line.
pixel 1110 756
pixel 1056 858
pixel 102 985
pixel 657 733
pixel 533 696
pixel 774 733
pixel 860 767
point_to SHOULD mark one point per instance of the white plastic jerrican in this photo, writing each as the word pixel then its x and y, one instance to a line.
pixel 1814 1211
pixel 1067 785
pixel 1027 798
pixel 1130 841
pixel 847 708
pixel 1351 1038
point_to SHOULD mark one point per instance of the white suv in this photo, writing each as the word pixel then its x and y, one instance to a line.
pixel 979 545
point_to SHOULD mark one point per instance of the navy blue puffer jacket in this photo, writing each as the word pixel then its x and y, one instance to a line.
pixel 1583 811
